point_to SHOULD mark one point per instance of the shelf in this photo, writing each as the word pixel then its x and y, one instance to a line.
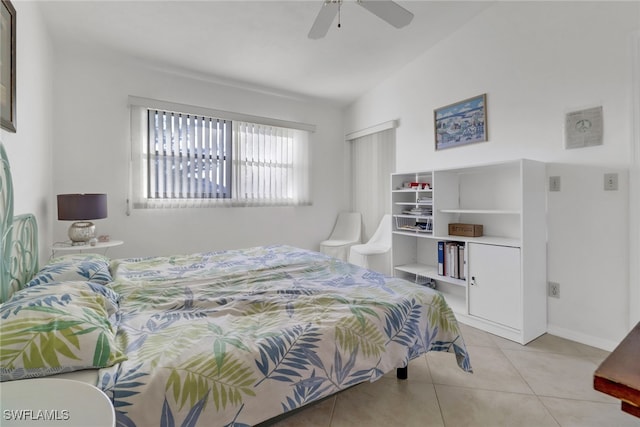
pixel 481 211
pixel 454 295
pixel 88 248
pixel 413 230
pixel 412 216
pixel 67 246
pixel 409 223
pixel 487 240
pixel 407 215
pixel 495 196
pixel 414 203
pixel 414 233
pixel 421 269
pixel 410 190
pixel 429 271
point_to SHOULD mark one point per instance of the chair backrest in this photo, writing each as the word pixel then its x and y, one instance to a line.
pixel 348 227
pixel 383 232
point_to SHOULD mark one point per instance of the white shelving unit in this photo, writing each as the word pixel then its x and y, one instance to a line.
pixel 504 286
pixel 412 203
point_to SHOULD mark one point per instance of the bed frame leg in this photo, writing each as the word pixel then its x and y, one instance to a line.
pixel 402 373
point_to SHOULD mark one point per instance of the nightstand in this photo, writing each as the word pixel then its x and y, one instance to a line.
pixel 98 247
pixel 55 402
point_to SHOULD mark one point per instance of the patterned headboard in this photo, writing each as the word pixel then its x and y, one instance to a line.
pixel 19 234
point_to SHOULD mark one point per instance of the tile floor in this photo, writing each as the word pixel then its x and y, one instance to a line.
pixel 546 383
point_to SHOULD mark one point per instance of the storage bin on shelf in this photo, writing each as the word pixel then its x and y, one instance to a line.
pixel 429 282
pixel 468 230
pixel 412 223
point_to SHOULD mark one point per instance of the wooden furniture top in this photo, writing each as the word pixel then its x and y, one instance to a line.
pixel 619 374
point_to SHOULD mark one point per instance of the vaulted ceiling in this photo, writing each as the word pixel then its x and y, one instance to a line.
pixel 260 44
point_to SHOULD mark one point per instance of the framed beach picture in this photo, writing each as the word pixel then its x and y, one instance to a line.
pixel 462 123
pixel 7 66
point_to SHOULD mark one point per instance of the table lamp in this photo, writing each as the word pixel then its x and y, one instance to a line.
pixel 81 208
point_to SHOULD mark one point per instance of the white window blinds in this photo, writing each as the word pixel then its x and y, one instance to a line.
pixel 192 159
pixel 271 165
pixel 189 157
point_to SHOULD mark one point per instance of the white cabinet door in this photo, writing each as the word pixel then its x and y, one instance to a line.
pixel 495 291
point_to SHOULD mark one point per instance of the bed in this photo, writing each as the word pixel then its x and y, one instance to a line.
pixel 228 338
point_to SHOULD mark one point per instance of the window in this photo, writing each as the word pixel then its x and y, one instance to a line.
pixel 188 157
pixel 191 157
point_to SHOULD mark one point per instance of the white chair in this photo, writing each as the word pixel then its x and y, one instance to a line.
pixel 347 232
pixel 376 253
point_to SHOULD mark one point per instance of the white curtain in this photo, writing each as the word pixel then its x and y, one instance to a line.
pixel 373 159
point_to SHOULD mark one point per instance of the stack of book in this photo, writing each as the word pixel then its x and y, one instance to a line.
pixel 451 259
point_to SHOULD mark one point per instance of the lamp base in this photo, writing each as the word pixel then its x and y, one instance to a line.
pixel 81 232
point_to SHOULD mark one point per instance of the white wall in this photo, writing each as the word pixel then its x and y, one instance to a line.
pixel 30 148
pixel 92 151
pixel 537 61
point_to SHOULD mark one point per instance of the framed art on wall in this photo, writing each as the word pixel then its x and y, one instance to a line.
pixel 461 123
pixel 7 66
pixel 583 128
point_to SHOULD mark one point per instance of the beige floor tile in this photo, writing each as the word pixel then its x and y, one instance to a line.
pixel 476 337
pixel 491 371
pixel 463 407
pixel 388 402
pixel 315 415
pixel 593 353
pixel 506 344
pixel 552 344
pixel 558 375
pixel 579 413
pixel 545 343
pixel 499 393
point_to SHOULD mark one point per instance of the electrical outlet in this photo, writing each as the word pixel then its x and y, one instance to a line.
pixel 554 290
pixel 610 181
pixel 554 183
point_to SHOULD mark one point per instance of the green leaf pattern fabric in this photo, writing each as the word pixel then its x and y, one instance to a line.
pixel 55 328
pixel 74 267
pixel 232 338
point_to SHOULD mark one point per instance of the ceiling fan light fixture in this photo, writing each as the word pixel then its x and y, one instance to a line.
pixel 325 17
pixel 387 10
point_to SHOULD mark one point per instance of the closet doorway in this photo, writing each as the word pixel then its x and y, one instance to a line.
pixel 373 159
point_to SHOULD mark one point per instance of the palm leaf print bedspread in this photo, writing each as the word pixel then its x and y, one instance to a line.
pixel 233 338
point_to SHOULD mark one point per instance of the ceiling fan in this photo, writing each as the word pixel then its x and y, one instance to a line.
pixel 387 10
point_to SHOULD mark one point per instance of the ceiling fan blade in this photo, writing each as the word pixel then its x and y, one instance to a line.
pixel 388 11
pixel 324 19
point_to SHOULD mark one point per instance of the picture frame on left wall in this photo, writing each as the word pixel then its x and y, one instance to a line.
pixel 8 66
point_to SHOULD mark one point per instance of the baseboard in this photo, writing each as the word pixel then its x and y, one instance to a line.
pixel 590 340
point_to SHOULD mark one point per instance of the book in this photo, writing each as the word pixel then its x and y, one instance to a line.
pixel 462 262
pixel 452 259
pixel 441 258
